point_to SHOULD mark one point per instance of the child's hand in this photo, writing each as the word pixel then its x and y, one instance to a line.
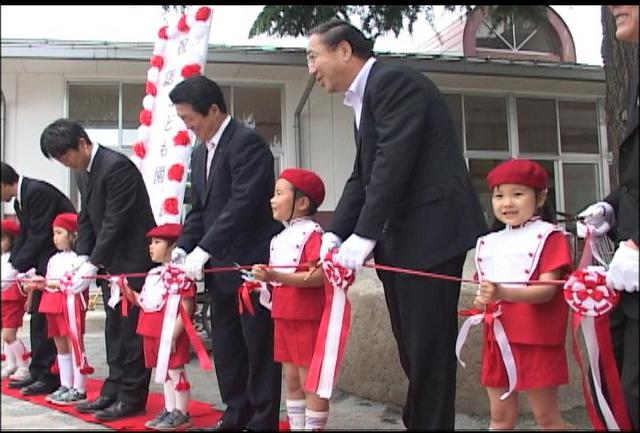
pixel 487 293
pixel 37 282
pixel 262 273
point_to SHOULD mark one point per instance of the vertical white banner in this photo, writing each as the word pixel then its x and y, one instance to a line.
pixel 162 151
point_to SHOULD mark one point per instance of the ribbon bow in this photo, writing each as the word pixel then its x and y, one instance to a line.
pixel 587 293
pixel 175 280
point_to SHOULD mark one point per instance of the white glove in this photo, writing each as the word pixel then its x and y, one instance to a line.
pixel 354 251
pixel 194 263
pixel 115 292
pixel 329 241
pixel 178 255
pixel 82 277
pixel 600 216
pixel 623 270
pixel 9 275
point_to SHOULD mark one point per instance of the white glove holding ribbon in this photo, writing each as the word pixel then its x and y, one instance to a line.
pixel 329 242
pixel 600 216
pixel 178 256
pixel 194 263
pixel 354 251
pixel 623 270
pixel 116 291
pixel 83 276
pixel 9 275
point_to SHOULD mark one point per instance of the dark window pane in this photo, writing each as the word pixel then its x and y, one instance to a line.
pixel 94 105
pixel 260 108
pixel 537 126
pixel 578 127
pixel 486 119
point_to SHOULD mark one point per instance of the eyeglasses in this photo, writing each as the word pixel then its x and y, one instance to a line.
pixel 311 57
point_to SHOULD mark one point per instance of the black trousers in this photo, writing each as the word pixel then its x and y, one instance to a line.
pixel 423 313
pixel 128 379
pixel 249 379
pixel 43 348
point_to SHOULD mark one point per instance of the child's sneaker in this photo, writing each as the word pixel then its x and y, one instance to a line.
pixel 160 417
pixel 57 393
pixel 8 370
pixel 175 420
pixel 20 374
pixel 72 396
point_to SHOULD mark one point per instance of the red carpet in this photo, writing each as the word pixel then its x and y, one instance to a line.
pixel 203 415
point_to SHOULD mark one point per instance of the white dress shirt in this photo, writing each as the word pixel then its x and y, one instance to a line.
pixel 354 96
pixel 213 142
pixel 94 150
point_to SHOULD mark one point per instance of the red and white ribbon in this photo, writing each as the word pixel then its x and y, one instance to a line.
pixel 334 329
pixel 73 309
pixel 491 318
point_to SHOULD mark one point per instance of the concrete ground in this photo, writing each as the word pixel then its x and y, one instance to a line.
pixel 348 411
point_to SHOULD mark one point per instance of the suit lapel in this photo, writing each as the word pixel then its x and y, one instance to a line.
pixel 91 176
pixel 219 153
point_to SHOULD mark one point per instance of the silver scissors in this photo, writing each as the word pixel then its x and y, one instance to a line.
pixel 245 274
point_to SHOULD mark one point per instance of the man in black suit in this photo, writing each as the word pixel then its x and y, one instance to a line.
pixel 114 218
pixel 232 181
pixel 36 203
pixel 410 198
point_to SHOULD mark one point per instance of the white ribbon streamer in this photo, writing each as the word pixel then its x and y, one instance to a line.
pixel 334 329
pixel 166 336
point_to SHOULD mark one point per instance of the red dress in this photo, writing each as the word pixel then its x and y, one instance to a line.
pixel 536 332
pixel 297 312
pixel 12 302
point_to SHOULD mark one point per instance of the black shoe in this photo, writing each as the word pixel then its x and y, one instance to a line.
pixel 100 403
pixel 118 410
pixel 38 387
pixel 225 426
pixel 17 384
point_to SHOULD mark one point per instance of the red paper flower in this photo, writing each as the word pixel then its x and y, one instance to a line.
pixel 139 149
pixel 170 206
pixel 587 293
pixel 182 24
pixel 203 13
pixel 162 33
pixel 182 138
pixel 157 61
pixel 151 89
pixel 145 117
pixel 190 70
pixel 176 171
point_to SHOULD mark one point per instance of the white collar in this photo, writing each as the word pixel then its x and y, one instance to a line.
pixel 18 197
pixel 94 150
pixel 213 142
pixel 524 224
pixel 355 93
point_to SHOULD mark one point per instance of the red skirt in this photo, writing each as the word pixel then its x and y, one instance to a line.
pixel 51 302
pixel 57 325
pixel 294 341
pixel 180 358
pixel 537 366
pixel 12 313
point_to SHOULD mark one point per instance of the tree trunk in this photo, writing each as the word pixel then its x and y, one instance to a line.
pixel 620 61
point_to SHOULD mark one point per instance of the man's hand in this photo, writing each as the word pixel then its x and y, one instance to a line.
pixel 354 252
pixel 178 256
pixel 600 216
pixel 329 241
pixel 9 274
pixel 82 277
pixel 194 263
pixel 623 270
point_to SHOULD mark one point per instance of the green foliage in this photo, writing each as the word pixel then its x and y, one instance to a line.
pixel 376 20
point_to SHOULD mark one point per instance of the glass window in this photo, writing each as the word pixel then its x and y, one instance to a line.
pixel 486 122
pixel 259 108
pixel 95 107
pixel 537 126
pixel 454 101
pixel 524 35
pixel 549 166
pixel 578 127
pixel 132 95
pixel 581 186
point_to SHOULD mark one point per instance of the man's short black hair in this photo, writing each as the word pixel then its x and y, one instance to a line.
pixel 335 31
pixel 60 137
pixel 8 175
pixel 200 92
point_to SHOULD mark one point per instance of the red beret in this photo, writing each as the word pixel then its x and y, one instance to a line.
pixel 170 232
pixel 11 227
pixel 68 221
pixel 519 171
pixel 306 181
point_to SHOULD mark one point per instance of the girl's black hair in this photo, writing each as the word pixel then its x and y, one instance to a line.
pixel 546 213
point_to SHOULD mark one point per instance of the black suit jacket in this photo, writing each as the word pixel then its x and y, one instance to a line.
pixel 230 212
pixel 40 203
pixel 115 215
pixel 624 199
pixel 410 186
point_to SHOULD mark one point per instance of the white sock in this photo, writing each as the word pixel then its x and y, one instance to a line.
pixel 65 365
pixel 295 413
pixel 18 350
pixel 315 420
pixel 79 379
pixel 181 397
pixel 169 396
pixel 10 353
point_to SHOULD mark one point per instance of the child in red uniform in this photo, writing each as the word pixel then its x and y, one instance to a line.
pixel 13 309
pixel 298 293
pixel 534 317
pixel 153 301
pixel 63 327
